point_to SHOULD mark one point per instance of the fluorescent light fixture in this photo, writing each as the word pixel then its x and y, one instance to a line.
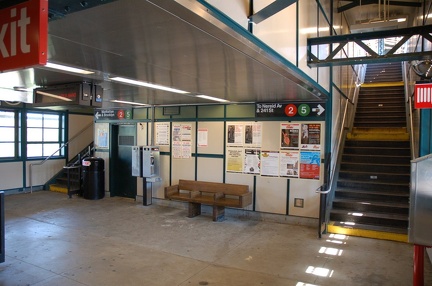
pixel 53 95
pixel 212 98
pixel 129 102
pixel 146 84
pixel 68 68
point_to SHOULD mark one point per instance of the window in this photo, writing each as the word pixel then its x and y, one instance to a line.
pixel 9 134
pixel 45 134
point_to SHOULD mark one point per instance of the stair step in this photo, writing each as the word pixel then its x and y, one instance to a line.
pixel 377 158
pixel 371 218
pixel 374 176
pixel 376 168
pixel 372 231
pixel 353 188
pixel 380 203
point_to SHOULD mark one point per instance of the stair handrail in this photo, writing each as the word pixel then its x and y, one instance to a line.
pixel 49 157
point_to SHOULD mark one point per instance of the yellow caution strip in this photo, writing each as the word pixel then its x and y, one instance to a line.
pixel 378 136
pixel 331 228
pixel 383 84
pixel 57 188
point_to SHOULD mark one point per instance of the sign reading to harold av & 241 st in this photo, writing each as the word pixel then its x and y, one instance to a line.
pixel 291 110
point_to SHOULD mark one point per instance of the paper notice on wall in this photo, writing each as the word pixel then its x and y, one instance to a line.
pixel 252 161
pixel 270 163
pixel 235 134
pixel 234 159
pixel 186 150
pixel 253 134
pixel 162 133
pixel 311 136
pixel 202 137
pixel 102 138
pixel 289 135
pixel 310 165
pixel 289 164
pixel 176 150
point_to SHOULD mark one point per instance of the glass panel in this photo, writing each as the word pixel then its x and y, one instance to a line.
pixel 7 150
pixel 7 134
pixel 34 134
pixel 49 149
pixel 51 120
pixel 34 120
pixel 51 135
pixel 34 150
pixel 7 118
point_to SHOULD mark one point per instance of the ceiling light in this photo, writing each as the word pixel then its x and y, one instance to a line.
pixel 68 68
pixel 212 98
pixel 129 102
pixel 146 84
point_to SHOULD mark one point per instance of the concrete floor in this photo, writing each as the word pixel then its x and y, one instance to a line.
pixel 53 240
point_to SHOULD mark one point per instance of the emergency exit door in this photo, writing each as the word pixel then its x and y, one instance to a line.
pixel 122 183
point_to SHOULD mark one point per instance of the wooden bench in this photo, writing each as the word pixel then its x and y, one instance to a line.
pixel 218 195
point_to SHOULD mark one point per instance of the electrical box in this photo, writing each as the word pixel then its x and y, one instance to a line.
pixel 420 215
pixel 145 161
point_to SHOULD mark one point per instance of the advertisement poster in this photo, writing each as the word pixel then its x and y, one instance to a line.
pixel 252 162
pixel 289 164
pixel 177 150
pixel 309 165
pixel 102 138
pixel 311 136
pixel 270 163
pixel 253 134
pixel 235 134
pixel 182 137
pixel 234 158
pixel 289 136
pixel 162 133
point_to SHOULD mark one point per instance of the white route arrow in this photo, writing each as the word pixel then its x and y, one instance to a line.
pixel 319 109
pixel 97 114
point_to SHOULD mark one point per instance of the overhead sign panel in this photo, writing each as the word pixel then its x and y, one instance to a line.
pixel 23 35
pixel 423 96
pixel 291 110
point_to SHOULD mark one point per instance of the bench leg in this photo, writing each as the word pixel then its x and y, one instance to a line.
pixel 194 209
pixel 218 213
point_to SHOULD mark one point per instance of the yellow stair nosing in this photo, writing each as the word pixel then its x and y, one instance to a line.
pixel 367 233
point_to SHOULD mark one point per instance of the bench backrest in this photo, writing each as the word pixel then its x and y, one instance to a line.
pixel 211 187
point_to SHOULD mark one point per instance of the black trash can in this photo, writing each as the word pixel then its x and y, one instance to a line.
pixel 93 172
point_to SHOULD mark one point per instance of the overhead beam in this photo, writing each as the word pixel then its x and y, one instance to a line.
pixel 270 10
pixel 334 45
pixel 356 3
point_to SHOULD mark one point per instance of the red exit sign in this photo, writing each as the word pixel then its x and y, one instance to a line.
pixel 423 96
pixel 24 35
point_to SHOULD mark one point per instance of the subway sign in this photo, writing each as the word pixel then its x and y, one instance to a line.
pixel 423 96
pixel 23 35
pixel 290 110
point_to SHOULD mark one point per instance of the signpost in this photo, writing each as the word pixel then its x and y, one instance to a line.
pixel 23 35
pixel 113 114
pixel 291 110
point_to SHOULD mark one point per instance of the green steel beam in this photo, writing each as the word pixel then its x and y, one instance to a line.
pixel 340 41
pixel 270 10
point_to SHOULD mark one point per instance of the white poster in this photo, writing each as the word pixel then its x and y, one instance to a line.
pixel 182 141
pixel 289 164
pixel 235 134
pixel 252 161
pixel 253 134
pixel 290 135
pixel 311 136
pixel 202 137
pixel 162 133
pixel 270 163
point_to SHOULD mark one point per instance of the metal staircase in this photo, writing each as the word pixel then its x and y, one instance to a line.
pixel 372 193
pixel 69 179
